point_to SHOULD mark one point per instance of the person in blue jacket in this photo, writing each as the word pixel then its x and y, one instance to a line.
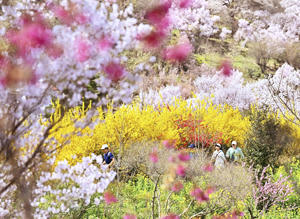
pixel 108 157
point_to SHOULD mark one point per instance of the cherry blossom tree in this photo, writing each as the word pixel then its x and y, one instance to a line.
pixel 55 50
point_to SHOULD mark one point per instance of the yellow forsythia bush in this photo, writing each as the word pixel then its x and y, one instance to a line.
pixel 135 123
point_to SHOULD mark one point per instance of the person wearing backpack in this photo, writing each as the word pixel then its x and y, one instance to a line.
pixel 234 153
pixel 218 157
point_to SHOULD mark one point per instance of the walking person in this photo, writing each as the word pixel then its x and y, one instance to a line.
pixel 108 157
pixel 218 157
pixel 234 153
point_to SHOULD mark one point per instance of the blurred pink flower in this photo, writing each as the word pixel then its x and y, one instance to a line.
pixel 185 3
pixel 163 25
pixel 109 198
pixel 54 51
pixel 183 156
pixel 129 216
pixel 201 195
pixel 180 170
pixel 68 16
pixel 154 156
pixel 178 53
pixel 83 50
pixel 226 68
pixel 4 63
pixel 158 13
pixel 25 19
pixel 172 159
pixel 114 70
pixel 80 18
pixel 62 14
pixel 208 168
pixel 171 216
pixel 105 44
pixel 32 34
pixel 169 144
pixel 177 186
pixel 153 39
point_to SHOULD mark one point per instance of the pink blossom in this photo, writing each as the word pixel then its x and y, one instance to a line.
pixel 54 51
pixel 109 198
pixel 105 43
pixel 34 79
pixel 172 159
pixel 158 13
pixel 183 156
pixel 3 82
pixel 68 16
pixel 169 144
pixel 178 53
pixel 185 3
pixel 226 68
pixel 25 19
pixel 80 18
pixel 201 195
pixel 153 39
pixel 83 50
pixel 4 63
pixel 31 35
pixel 209 190
pixel 154 156
pixel 171 216
pixel 177 186
pixel 114 71
pixel 163 25
pixel 208 168
pixel 62 14
pixel 129 216
pixel 180 170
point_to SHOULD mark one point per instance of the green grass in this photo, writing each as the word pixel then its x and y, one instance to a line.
pixel 244 64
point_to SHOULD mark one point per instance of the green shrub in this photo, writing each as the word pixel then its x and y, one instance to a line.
pixel 266 140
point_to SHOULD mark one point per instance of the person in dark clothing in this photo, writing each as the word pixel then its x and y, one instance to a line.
pixel 108 157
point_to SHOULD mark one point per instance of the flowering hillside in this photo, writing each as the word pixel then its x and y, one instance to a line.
pixel 149 109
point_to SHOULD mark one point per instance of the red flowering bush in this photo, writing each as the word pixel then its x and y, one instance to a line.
pixel 192 131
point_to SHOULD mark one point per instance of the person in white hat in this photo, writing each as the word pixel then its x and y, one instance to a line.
pixel 218 157
pixel 234 153
pixel 108 157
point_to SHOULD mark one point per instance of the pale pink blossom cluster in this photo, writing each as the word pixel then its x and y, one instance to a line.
pixel 196 17
pixel 221 89
pixel 280 91
pixel 160 17
pixel 62 59
pixel 166 95
pixel 67 187
pixel 57 49
pixel 271 28
pixel 269 192
pixel 224 33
